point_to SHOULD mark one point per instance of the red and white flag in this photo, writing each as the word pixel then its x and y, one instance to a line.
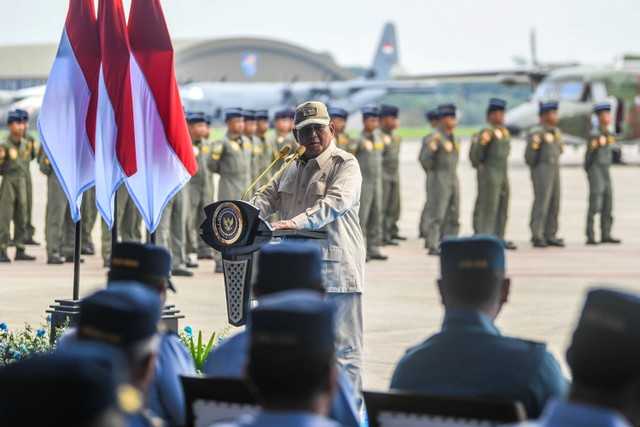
pixel 67 119
pixel 115 136
pixel 163 147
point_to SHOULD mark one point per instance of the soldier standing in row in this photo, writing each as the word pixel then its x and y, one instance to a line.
pixel 129 221
pixel 283 135
pixel 489 154
pixel 200 190
pixel 339 118
pixel 443 188
pixel 231 159
pixel 31 146
pixel 596 163
pixel 433 117
pixel 367 148
pixel 14 167
pixel 262 127
pixel 544 147
pixel 250 127
pixel 56 209
pixel 390 174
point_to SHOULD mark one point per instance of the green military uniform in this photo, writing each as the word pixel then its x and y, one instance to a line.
pixel 443 189
pixel 368 148
pixel 542 154
pixel 390 184
pixel 277 141
pixel 200 195
pixel 423 158
pixel 596 163
pixel 231 159
pixel 171 230
pixel 262 158
pixel 15 157
pixel 343 140
pixel 89 212
pixel 488 154
pixel 129 221
pixel 31 144
pixel 57 208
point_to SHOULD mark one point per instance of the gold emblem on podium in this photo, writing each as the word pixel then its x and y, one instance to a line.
pixel 227 223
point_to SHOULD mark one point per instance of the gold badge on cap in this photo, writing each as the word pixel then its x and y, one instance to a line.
pixel 309 111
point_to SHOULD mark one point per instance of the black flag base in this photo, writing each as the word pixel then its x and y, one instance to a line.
pixel 65 313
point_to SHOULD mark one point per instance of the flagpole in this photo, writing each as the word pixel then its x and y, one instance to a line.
pixel 76 261
pixel 114 228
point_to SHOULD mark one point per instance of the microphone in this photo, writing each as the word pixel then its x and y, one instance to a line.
pixel 284 152
pixel 299 152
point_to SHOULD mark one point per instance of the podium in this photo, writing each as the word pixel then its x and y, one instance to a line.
pixel 235 229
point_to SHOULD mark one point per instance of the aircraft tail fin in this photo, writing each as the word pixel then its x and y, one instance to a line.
pixel 387 54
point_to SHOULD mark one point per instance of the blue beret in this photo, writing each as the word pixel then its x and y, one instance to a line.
pixel 471 254
pixel 136 259
pixel 120 315
pixel 70 387
pixel 249 114
pixel 14 116
pixel 230 113
pixel 338 112
pixel 196 117
pixel 288 266
pixel 497 104
pixel 447 110
pixel 262 115
pixel 388 110
pixel 548 106
pixel 370 112
pixel 293 320
pixel 605 348
pixel 24 114
pixel 601 106
pixel 433 114
pixel 287 113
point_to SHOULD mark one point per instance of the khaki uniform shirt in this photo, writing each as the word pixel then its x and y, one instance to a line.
pixel 324 194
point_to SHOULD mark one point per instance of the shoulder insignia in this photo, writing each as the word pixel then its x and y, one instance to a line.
pixel 433 145
pixel 536 138
pixel 593 144
pixel 205 149
pixel 368 145
pixel 215 156
pixel 3 153
pixel 218 148
pixel 196 150
pixel 535 146
pixel 485 137
pixel 13 153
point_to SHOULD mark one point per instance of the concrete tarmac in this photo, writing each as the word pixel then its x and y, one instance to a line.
pixel 401 303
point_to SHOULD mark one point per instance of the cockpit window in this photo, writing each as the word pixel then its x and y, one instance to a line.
pixel 598 92
pixel 543 91
pixel 570 91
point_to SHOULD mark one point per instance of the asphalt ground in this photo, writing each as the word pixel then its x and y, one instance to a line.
pixel 401 304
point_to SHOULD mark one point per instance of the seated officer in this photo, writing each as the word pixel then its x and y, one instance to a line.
pixel 78 388
pixel 283 267
pixel 126 318
pixel 603 358
pixel 469 357
pixel 150 265
pixel 292 364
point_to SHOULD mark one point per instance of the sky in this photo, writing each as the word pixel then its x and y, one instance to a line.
pixel 433 36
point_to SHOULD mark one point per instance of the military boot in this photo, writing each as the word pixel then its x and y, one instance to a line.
pixel 22 256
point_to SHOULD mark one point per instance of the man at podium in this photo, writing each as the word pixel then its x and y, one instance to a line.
pixel 320 190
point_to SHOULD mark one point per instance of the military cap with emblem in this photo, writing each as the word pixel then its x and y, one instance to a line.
pixel 262 115
pixel 311 112
pixel 289 265
pixel 388 110
pixel 370 112
pixel 138 261
pixel 432 114
pixel 293 320
pixel 249 115
pixel 338 112
pixel 231 113
pixel 601 106
pixel 24 114
pixel 64 388
pixel 447 110
pixel 496 104
pixel 196 117
pixel 547 106
pixel 475 256
pixel 14 116
pixel 605 348
pixel 120 315
pixel 287 113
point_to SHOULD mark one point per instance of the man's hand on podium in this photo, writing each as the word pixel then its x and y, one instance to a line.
pixel 284 225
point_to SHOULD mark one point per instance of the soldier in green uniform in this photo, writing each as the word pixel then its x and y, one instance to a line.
pixel 200 191
pixel 129 221
pixel 544 147
pixel 14 167
pixel 443 188
pixel 262 127
pixel 433 117
pixel 89 213
pixel 390 174
pixel 31 144
pixel 339 117
pixel 231 159
pixel 283 135
pixel 57 206
pixel 596 163
pixel 257 148
pixel 367 147
pixel 489 154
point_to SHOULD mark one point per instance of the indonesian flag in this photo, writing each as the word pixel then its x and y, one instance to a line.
pixel 163 146
pixel 67 119
pixel 115 137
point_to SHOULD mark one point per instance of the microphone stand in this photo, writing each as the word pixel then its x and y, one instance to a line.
pixel 282 154
pixel 299 152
